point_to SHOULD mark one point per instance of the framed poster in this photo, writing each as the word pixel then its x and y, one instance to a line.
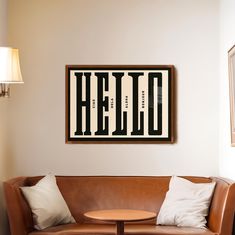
pixel 119 104
pixel 231 63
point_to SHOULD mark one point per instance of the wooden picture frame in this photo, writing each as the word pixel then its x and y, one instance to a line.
pixel 119 104
pixel 231 67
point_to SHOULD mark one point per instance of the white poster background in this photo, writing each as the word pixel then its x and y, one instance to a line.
pixel 127 95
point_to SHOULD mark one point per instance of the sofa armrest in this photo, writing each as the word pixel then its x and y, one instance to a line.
pixel 221 214
pixel 19 213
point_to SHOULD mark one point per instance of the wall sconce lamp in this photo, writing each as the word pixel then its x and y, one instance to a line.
pixel 9 69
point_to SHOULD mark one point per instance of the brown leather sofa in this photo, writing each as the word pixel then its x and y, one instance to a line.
pixel 86 193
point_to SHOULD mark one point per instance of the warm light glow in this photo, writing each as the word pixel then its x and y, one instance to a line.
pixel 10 66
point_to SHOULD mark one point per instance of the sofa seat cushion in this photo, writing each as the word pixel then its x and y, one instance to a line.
pixel 110 229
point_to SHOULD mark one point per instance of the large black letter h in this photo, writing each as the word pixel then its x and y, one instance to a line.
pixel 80 103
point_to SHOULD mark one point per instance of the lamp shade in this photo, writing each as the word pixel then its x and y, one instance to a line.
pixel 10 65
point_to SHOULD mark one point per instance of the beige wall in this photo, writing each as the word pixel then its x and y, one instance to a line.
pixel 51 34
pixel 3 101
pixel 227 153
pixel 3 123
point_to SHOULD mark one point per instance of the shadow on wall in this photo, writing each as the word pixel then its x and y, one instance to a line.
pixel 4 226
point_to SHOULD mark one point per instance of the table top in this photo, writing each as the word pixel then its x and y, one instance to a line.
pixel 120 215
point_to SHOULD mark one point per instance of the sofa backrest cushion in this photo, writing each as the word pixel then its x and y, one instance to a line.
pixel 87 193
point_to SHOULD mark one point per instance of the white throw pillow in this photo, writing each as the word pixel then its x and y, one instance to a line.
pixel 186 203
pixel 47 203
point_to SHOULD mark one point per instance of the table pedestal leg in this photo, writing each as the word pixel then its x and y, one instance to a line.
pixel 120 228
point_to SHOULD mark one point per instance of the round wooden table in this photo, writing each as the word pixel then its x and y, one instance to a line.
pixel 120 216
